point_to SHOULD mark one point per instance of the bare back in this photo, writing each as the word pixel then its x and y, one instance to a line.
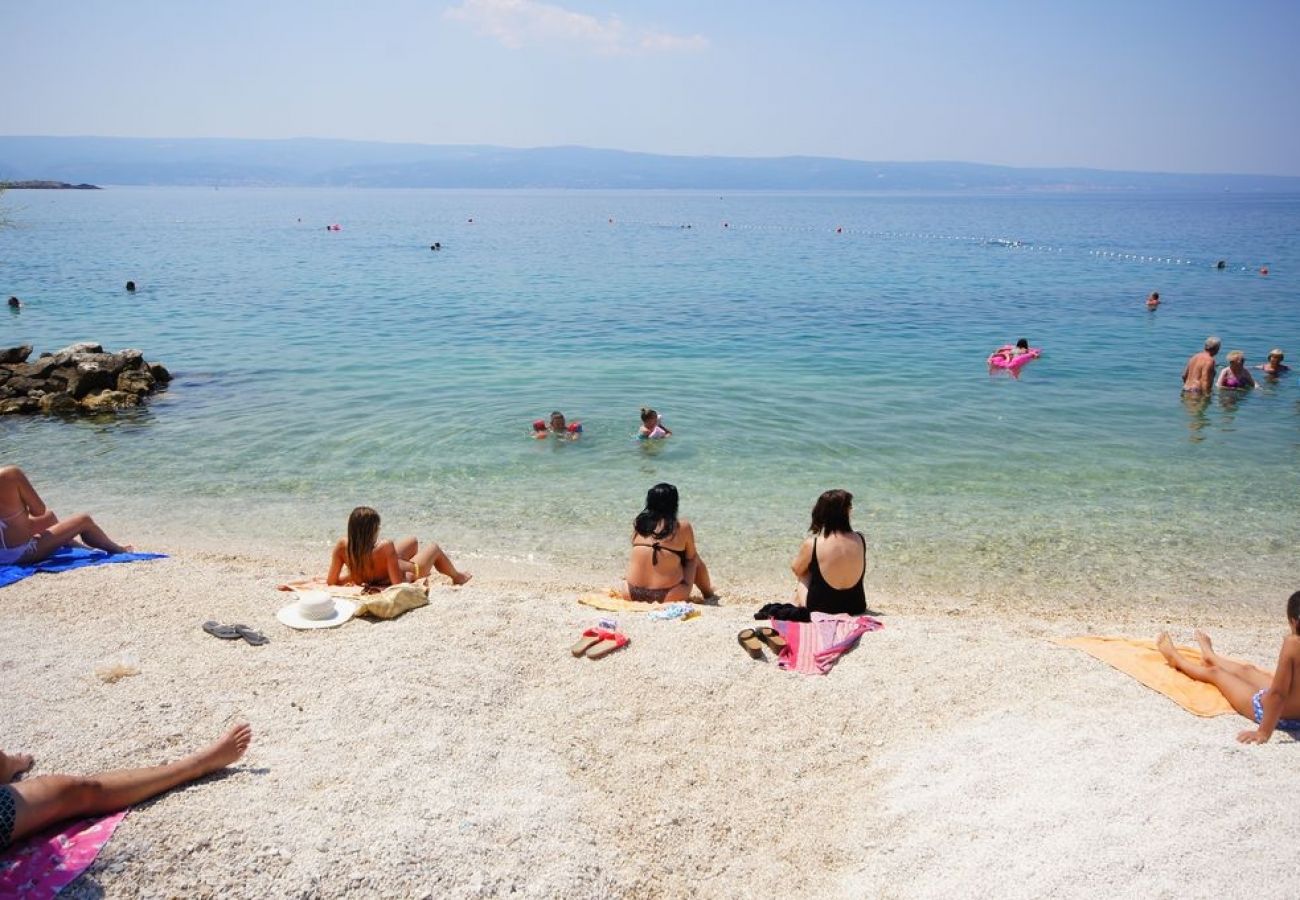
pixel 842 558
pixel 665 567
pixel 1198 374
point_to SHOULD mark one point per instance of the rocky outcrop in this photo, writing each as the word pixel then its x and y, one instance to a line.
pixel 78 378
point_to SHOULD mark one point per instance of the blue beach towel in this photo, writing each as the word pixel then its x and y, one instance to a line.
pixel 66 558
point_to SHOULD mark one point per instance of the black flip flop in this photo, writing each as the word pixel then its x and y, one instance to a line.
pixel 772 638
pixel 749 642
pixel 256 638
pixel 225 632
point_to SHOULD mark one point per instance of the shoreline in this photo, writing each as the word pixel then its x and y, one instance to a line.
pixel 461 750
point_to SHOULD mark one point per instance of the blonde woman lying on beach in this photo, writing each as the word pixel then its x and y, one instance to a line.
pixel 370 561
pixel 1270 699
pixel 664 564
pixel 33 804
pixel 29 531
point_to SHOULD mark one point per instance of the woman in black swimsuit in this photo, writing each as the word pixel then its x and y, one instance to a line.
pixel 832 562
pixel 664 564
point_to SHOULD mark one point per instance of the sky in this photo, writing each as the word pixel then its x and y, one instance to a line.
pixel 1152 85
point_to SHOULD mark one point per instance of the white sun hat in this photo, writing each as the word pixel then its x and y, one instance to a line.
pixel 316 609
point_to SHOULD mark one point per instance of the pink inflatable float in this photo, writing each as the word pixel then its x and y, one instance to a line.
pixel 1012 358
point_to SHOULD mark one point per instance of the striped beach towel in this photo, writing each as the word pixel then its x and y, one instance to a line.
pixel 814 647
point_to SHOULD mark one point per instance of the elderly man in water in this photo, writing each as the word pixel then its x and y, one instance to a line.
pixel 1198 374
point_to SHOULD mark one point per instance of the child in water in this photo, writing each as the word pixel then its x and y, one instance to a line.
pixel 565 431
pixel 1270 699
pixel 1010 353
pixel 652 428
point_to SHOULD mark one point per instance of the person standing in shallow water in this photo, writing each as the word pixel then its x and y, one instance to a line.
pixel 1153 302
pixel 832 562
pixel 1198 374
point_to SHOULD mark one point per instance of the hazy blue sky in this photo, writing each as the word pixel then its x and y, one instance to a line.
pixel 1185 86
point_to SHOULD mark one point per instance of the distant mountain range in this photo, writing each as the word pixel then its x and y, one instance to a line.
pixel 310 162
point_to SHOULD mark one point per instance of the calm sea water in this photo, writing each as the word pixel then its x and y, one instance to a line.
pixel 318 370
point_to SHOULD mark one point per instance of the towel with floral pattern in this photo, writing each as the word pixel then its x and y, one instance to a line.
pixel 38 867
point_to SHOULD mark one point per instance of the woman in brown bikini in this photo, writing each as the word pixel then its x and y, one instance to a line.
pixel 664 564
pixel 370 561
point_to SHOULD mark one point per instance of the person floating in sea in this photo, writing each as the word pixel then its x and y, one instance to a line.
pixel 565 431
pixel 652 427
pixel 436 245
pixel 370 561
pixel 1236 376
pixel 1274 367
pixel 1221 264
pixel 1154 300
pixel 1008 353
pixel 29 532
pixel 1198 374
pixel 15 303
pixel 130 287
pixel 1269 699
pixel 34 804
pixel 664 564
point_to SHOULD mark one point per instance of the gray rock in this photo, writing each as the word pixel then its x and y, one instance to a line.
pixel 135 381
pixel 62 402
pixel 18 405
pixel 83 347
pixel 90 378
pixel 16 354
pixel 110 400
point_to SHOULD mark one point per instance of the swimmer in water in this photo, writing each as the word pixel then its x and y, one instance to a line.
pixel 1236 376
pixel 1010 353
pixel 1154 300
pixel 652 428
pixel 130 287
pixel 15 303
pixel 557 427
pixel 1198 374
pixel 1275 367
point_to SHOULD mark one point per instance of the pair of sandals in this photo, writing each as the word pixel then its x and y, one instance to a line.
pixel 597 643
pixel 753 639
pixel 235 632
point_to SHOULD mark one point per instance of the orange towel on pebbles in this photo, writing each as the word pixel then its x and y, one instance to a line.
pixel 1144 662
pixel 612 601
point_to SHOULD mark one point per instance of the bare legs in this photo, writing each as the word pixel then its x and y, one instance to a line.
pixel 427 559
pixel 47 799
pixel 702 579
pixel 63 533
pixel 1238 682
pixel 13 764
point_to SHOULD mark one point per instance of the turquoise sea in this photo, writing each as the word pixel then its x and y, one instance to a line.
pixel 793 342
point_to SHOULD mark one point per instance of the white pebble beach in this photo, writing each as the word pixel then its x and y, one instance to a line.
pixel 462 751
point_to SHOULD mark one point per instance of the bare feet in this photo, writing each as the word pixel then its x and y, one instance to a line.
pixel 1165 645
pixel 226 750
pixel 462 578
pixel 1207 651
pixel 13 764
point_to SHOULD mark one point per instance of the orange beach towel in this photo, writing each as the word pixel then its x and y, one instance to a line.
pixel 1144 662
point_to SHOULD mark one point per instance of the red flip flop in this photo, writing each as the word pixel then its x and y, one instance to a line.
pixel 589 639
pixel 608 643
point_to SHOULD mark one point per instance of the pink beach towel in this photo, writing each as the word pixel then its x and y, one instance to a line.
pixel 814 647
pixel 40 866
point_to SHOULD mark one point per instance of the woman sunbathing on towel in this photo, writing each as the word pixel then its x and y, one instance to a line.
pixel 664 564
pixel 1271 699
pixel 370 561
pixel 33 804
pixel 29 532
